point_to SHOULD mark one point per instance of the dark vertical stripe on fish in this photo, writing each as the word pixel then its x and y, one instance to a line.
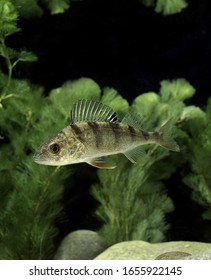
pixel 116 132
pixel 96 132
pixel 132 132
pixel 156 136
pixel 145 135
pixel 78 132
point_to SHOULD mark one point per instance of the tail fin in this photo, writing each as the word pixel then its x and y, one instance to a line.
pixel 166 139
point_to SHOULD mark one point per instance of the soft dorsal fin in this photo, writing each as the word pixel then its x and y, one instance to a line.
pixel 91 111
pixel 132 119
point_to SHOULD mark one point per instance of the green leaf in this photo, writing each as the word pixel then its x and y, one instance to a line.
pixel 57 6
pixel 177 90
pixel 27 56
pixel 6 51
pixel 146 103
pixel 111 98
pixel 166 7
pixel 8 11
pixel 8 18
pixel 64 97
pixel 170 7
pixel 28 9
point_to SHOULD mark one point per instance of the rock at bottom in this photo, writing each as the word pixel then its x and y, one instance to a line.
pixel 80 245
pixel 141 250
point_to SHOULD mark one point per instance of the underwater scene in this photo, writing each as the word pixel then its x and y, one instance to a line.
pixel 105 129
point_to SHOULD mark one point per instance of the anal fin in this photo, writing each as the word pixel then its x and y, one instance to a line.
pixel 135 154
pixel 102 162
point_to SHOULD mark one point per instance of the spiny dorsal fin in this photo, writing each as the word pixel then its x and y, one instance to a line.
pixel 91 111
pixel 132 119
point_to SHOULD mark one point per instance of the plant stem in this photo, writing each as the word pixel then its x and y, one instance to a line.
pixel 9 65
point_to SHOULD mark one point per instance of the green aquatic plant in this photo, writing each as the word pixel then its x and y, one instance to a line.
pixel 197 124
pixel 30 194
pixel 133 198
pixel 34 8
pixel 57 6
pixel 8 26
pixel 166 7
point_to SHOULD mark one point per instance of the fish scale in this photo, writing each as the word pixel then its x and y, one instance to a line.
pixel 96 135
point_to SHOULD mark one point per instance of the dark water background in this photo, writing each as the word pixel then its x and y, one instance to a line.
pixel 124 45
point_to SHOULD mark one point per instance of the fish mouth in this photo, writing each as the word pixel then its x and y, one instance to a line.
pixel 42 160
pixel 38 159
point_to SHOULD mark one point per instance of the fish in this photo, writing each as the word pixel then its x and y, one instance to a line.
pixel 94 133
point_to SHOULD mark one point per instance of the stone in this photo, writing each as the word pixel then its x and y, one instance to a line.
pixel 206 256
pixel 175 255
pixel 141 250
pixel 80 245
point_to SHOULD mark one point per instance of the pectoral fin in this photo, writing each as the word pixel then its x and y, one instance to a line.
pixel 102 162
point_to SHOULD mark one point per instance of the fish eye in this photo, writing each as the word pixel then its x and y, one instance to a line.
pixel 55 148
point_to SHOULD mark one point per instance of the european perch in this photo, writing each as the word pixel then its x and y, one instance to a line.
pixel 95 133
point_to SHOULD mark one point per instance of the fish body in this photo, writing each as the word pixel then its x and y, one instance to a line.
pixel 95 133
